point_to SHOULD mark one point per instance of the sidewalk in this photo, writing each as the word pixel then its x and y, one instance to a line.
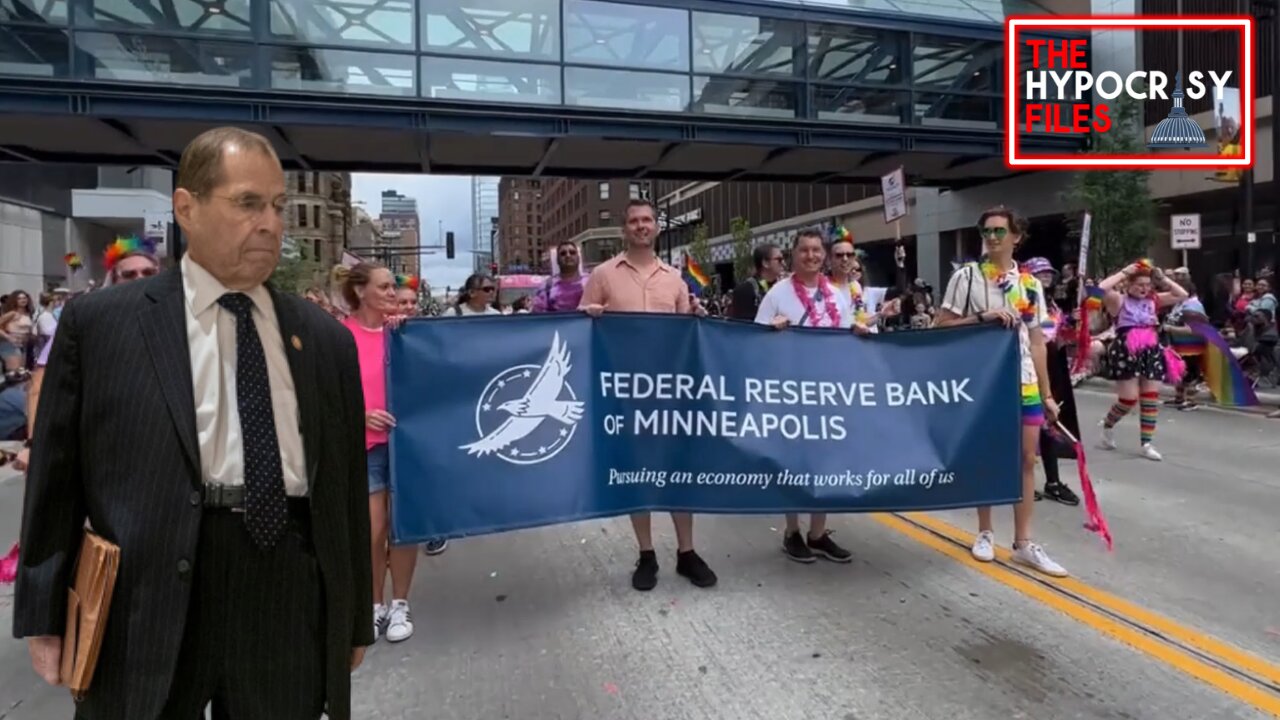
pixel 1269 399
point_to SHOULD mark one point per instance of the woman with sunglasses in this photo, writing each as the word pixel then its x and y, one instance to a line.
pixel 477 296
pixel 846 274
pixel 995 289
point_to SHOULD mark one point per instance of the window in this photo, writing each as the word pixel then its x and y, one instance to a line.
pixel 315 216
pixel 604 191
pixel 635 191
pixel 302 215
pixel 604 218
pixel 630 36
pixel 317 245
pixel 516 196
pixel 302 182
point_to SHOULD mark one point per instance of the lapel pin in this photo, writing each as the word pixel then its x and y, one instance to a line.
pixel 297 342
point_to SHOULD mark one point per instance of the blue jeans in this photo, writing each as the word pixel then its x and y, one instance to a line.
pixel 379 469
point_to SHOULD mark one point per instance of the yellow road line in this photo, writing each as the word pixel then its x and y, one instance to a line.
pixel 1169 654
pixel 1224 652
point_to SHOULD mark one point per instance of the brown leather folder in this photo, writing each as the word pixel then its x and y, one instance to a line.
pixel 88 604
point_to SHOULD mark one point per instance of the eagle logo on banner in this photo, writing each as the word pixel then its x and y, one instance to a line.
pixel 528 413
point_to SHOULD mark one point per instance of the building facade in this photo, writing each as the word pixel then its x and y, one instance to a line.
pixel 520 224
pixel 484 217
pixel 318 222
pixel 401 230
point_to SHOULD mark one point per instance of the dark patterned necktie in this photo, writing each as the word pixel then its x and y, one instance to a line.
pixel 266 510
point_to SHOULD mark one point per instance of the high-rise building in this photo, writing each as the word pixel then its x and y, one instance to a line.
pixel 401 229
pixel 520 238
pixel 484 215
pixel 318 221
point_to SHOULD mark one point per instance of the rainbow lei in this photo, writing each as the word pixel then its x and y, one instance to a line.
pixel 1019 289
pixel 828 300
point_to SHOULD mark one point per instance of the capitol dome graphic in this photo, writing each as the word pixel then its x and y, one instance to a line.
pixel 1178 130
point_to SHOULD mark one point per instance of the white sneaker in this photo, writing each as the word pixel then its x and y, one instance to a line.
pixel 1034 557
pixel 399 622
pixel 1108 440
pixel 984 547
pixel 1150 453
pixel 380 613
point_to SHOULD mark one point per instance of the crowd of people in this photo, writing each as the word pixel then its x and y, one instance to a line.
pixel 251 426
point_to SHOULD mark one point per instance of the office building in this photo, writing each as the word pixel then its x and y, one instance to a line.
pixel 401 230
pixel 484 216
pixel 520 223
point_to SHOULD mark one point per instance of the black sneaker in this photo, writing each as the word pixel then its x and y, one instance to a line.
pixel 827 548
pixel 794 546
pixel 693 567
pixel 435 547
pixel 1059 492
pixel 645 578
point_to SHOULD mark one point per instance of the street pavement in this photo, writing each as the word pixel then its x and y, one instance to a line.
pixel 1180 622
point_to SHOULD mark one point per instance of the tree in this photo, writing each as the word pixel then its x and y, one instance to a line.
pixel 742 265
pixel 698 248
pixel 294 273
pixel 1124 215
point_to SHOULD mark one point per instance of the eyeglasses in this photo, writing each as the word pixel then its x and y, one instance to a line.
pixel 135 274
pixel 997 232
pixel 842 255
pixel 567 253
pixel 254 205
pixel 487 288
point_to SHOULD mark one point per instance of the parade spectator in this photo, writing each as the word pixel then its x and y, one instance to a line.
pixel 17 325
pixel 638 281
pixel 768 264
pixel 995 290
pixel 809 299
pixel 406 296
pixel 562 293
pixel 234 414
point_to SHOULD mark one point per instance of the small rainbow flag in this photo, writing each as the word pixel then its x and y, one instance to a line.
pixel 1223 375
pixel 693 275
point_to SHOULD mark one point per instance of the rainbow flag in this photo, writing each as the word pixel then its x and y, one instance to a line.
pixel 694 277
pixel 1223 375
pixel 1187 345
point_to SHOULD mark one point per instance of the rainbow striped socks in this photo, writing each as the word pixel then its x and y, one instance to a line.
pixel 1150 407
pixel 1118 411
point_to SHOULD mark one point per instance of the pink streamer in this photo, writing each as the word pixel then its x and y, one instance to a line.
pixel 1141 338
pixel 1174 366
pixel 9 566
pixel 1095 521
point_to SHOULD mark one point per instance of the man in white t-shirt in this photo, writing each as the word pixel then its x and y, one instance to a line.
pixel 996 290
pixel 808 299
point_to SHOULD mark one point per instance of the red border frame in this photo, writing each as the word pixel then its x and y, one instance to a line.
pixel 1242 23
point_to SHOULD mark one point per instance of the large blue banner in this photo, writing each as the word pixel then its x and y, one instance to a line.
pixel 529 420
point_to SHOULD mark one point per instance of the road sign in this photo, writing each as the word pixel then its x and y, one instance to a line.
pixel 1184 232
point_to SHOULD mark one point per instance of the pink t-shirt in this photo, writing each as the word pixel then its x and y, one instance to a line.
pixel 372 349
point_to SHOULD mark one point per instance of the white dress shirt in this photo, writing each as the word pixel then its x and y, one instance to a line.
pixel 211 340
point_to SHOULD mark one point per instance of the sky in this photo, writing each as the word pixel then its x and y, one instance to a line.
pixel 441 198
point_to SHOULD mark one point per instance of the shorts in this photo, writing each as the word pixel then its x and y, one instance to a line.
pixel 379 468
pixel 8 350
pixel 1032 408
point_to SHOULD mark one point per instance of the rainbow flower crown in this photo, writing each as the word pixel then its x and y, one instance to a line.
pixel 125 246
pixel 407 281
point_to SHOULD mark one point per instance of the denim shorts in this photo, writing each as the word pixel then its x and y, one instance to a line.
pixel 9 350
pixel 379 468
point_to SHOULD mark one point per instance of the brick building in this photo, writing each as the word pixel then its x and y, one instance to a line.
pixel 319 217
pixel 520 240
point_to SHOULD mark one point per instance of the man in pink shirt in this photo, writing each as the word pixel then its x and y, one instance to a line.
pixel 638 281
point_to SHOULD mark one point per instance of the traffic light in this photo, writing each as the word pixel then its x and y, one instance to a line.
pixel 448 244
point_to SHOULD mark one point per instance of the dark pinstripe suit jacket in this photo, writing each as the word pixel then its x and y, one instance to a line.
pixel 115 443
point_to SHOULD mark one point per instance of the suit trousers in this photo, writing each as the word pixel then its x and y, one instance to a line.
pixel 254 639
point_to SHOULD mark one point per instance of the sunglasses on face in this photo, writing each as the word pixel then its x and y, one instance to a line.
pixel 135 274
pixel 842 255
pixel 996 232
pixel 487 288
pixel 567 253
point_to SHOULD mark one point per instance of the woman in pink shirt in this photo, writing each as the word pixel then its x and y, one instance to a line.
pixel 370 292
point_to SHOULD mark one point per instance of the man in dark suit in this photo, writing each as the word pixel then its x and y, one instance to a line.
pixel 212 428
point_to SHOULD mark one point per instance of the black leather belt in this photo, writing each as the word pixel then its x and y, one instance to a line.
pixel 223 497
pixel 231 497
